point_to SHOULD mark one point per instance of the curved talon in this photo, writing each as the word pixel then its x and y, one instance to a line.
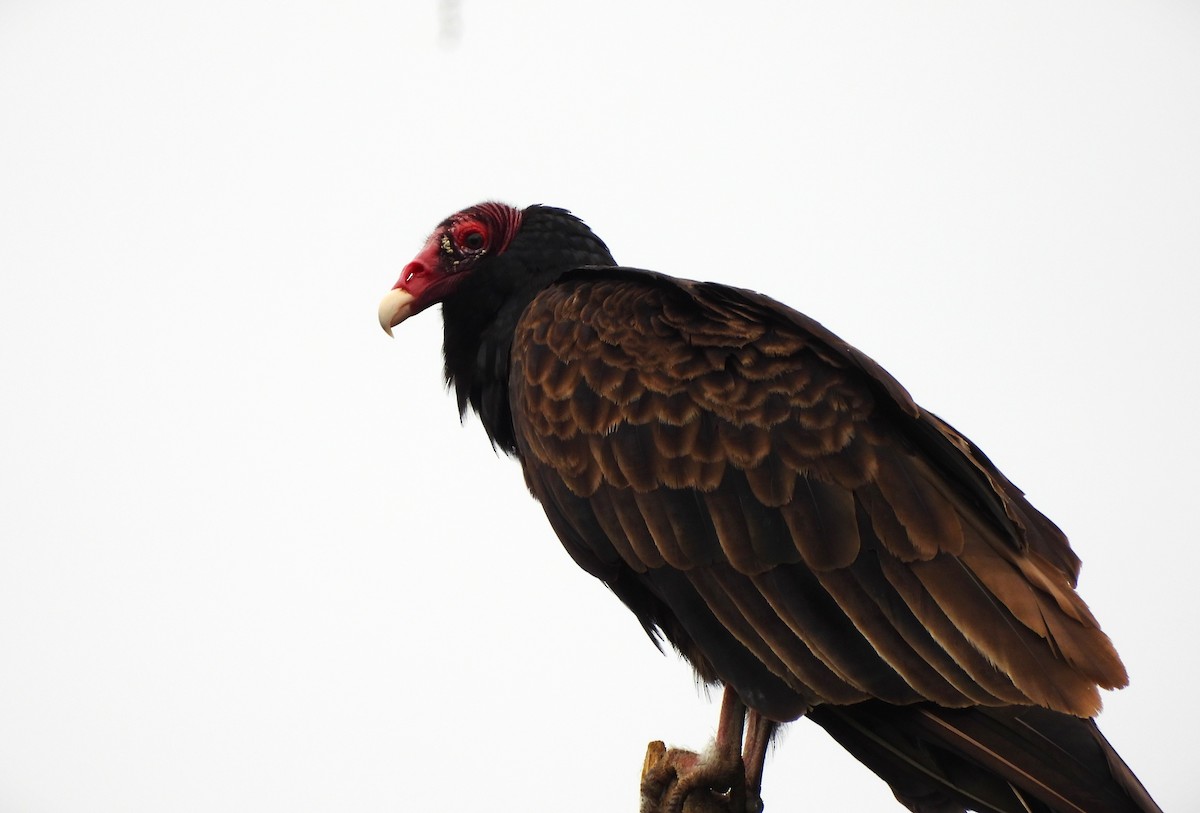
pixel 714 785
pixel 678 781
pixel 662 772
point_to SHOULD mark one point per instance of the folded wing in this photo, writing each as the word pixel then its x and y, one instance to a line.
pixel 774 504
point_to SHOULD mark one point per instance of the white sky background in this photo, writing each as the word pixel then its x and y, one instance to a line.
pixel 248 558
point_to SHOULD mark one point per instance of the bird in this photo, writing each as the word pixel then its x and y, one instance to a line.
pixel 773 505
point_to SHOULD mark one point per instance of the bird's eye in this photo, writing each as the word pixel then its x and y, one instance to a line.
pixel 470 236
pixel 472 240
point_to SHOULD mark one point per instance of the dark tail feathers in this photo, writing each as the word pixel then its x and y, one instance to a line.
pixel 1016 759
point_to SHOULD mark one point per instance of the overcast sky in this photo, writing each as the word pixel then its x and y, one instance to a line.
pixel 249 560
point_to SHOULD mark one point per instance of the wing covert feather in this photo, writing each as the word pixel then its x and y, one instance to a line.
pixel 753 473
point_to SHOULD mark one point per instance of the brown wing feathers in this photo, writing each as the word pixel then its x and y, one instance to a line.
pixel 741 470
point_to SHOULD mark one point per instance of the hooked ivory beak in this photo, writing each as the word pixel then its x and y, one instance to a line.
pixel 394 308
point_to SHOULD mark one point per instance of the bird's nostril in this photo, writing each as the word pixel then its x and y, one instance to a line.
pixel 410 271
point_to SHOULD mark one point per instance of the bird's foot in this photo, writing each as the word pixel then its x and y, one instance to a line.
pixel 678 781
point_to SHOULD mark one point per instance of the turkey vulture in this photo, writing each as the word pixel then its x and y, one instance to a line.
pixel 772 503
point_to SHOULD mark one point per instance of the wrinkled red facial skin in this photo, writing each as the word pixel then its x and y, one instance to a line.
pixel 424 277
pixel 445 262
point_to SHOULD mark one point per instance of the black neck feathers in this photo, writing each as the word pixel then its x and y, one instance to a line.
pixel 481 316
